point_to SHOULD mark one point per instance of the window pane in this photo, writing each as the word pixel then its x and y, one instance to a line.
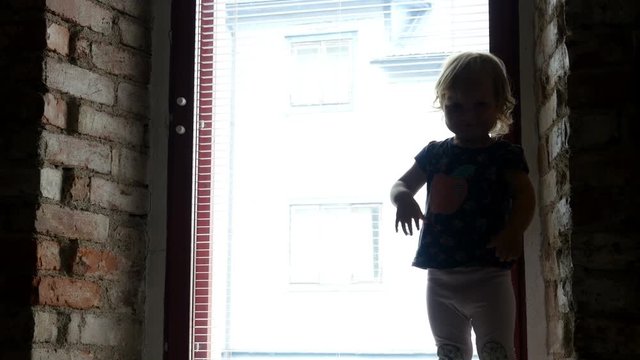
pixel 305 241
pixel 337 79
pixel 333 244
pixel 306 88
pixel 319 107
pixel 322 70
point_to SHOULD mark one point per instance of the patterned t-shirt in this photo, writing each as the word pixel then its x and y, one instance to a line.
pixel 468 200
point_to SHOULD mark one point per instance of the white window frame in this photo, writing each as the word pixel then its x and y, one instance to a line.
pixel 328 84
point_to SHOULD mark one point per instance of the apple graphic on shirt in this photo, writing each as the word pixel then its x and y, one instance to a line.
pixel 449 191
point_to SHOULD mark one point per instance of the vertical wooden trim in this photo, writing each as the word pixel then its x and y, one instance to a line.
pixel 504 42
pixel 177 326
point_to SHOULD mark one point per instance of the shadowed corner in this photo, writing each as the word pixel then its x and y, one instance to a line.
pixel 16 316
pixel 19 186
pixel 19 194
pixel 22 46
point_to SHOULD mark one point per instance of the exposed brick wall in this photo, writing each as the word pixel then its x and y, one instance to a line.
pixel 73 173
pixel 91 249
pixel 552 67
pixel 586 60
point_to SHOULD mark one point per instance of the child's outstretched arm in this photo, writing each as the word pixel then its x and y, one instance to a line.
pixel 402 196
pixel 508 242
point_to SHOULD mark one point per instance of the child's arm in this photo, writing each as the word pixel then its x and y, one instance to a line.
pixel 402 193
pixel 508 242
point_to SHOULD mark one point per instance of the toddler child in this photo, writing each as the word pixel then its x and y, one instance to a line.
pixel 479 202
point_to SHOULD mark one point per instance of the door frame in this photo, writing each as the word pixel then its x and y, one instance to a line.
pixel 177 301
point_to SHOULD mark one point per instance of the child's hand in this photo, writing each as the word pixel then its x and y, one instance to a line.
pixel 408 211
pixel 508 244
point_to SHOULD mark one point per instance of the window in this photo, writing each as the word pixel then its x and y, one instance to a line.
pixel 233 283
pixel 322 71
pixel 305 259
pixel 334 244
pixel 408 20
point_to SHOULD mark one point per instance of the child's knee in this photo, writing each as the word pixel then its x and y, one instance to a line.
pixel 493 350
pixel 449 352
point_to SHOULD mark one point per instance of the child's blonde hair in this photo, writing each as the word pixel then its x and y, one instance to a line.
pixel 470 65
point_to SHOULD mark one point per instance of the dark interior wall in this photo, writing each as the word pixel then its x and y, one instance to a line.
pixel 603 44
pixel 22 41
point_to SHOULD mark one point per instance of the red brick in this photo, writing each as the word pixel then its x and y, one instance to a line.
pixel 70 151
pixel 58 39
pixel 97 262
pixel 48 253
pixel 80 189
pixel 55 111
pixel 74 224
pixel 83 12
pixel 67 292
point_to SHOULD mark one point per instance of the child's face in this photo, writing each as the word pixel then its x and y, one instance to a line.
pixel 471 110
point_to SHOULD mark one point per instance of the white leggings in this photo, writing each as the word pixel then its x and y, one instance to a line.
pixel 461 298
